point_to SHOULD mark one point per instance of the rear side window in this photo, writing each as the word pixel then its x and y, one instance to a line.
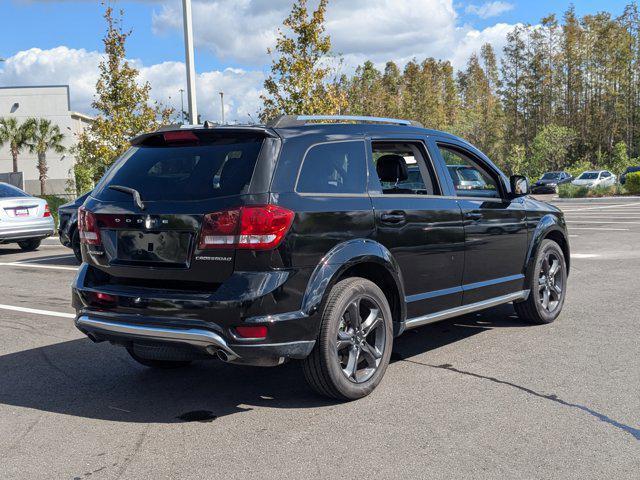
pixel 330 168
pixel 9 191
pixel 208 169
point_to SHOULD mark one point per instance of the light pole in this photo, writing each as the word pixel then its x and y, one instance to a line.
pixel 222 105
pixel 191 71
pixel 182 105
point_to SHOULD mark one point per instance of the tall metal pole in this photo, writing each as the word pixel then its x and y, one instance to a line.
pixel 191 71
pixel 222 105
pixel 182 105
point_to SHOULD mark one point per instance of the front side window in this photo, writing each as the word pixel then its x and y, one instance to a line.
pixel 470 178
pixel 334 168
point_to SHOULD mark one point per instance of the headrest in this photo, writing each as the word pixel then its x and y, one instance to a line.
pixel 392 168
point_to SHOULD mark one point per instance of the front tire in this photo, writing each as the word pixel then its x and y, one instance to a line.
pixel 30 245
pixel 354 346
pixel 548 286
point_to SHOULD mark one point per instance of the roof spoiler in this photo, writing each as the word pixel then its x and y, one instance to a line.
pixel 284 121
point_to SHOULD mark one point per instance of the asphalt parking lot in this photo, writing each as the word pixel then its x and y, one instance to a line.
pixel 483 396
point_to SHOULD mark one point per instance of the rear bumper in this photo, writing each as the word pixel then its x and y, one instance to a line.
pixel 204 324
pixel 16 231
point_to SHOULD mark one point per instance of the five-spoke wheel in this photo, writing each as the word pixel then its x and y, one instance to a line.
pixel 547 285
pixel 354 345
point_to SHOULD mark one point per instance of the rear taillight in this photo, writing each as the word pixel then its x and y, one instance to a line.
pixel 255 228
pixel 47 211
pixel 88 227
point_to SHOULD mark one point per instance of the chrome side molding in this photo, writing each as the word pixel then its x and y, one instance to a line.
pixel 192 336
pixel 464 309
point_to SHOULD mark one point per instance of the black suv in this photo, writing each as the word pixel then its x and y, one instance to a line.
pixel 304 239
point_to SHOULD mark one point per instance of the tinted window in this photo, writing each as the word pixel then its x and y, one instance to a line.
pixel 552 176
pixel 470 178
pixel 337 167
pixel 8 191
pixel 606 174
pixel 403 169
pixel 214 168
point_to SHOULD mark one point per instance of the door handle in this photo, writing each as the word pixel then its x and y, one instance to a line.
pixel 473 216
pixel 393 217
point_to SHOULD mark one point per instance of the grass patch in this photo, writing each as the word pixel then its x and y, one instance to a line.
pixel 575 191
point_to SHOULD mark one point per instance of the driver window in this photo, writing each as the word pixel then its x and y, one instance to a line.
pixel 470 179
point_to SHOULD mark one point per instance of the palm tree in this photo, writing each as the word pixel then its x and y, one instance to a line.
pixel 43 136
pixel 16 135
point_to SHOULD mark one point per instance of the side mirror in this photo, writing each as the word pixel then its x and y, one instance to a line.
pixel 519 186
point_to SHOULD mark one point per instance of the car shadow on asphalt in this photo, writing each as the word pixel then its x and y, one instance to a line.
pixel 100 381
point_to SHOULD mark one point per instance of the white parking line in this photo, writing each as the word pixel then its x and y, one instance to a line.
pixel 31 265
pixel 605 206
pixel 621 222
pixel 42 259
pixel 37 312
pixel 602 229
pixel 585 255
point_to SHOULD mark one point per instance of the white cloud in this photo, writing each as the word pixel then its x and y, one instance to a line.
pixel 489 9
pixel 79 69
pixel 379 30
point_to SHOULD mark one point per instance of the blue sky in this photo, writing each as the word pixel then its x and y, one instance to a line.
pixel 45 38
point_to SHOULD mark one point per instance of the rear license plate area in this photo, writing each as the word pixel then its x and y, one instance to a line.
pixel 21 212
pixel 153 247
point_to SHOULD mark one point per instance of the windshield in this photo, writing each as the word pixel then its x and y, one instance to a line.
pixel 9 191
pixel 211 169
pixel 551 176
pixel 588 176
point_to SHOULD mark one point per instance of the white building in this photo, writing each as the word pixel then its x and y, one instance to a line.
pixel 51 102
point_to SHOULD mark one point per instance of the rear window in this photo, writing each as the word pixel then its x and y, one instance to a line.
pixel 9 191
pixel 212 168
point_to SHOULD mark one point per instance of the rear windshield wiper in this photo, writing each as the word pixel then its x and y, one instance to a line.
pixel 131 191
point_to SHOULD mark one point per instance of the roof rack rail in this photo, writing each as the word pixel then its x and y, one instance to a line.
pixel 284 121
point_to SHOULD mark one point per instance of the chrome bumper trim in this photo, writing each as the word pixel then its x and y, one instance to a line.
pixel 192 336
pixel 464 309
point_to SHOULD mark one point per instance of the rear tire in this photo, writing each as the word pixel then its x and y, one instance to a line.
pixel 548 286
pixel 75 245
pixel 156 363
pixel 30 245
pixel 354 345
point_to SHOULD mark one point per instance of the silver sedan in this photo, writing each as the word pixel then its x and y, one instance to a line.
pixel 24 219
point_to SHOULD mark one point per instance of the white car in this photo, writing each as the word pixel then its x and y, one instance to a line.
pixel 24 219
pixel 595 178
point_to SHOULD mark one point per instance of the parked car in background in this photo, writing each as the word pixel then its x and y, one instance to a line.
pixel 595 178
pixel 317 243
pixel 623 177
pixel 549 182
pixel 68 225
pixel 24 219
pixel 466 177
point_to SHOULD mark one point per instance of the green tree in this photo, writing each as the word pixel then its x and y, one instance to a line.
pixel 123 106
pixel 16 135
pixel 44 136
pixel 301 78
pixel 551 146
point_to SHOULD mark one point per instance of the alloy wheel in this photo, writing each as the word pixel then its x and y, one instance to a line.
pixel 361 338
pixel 550 282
